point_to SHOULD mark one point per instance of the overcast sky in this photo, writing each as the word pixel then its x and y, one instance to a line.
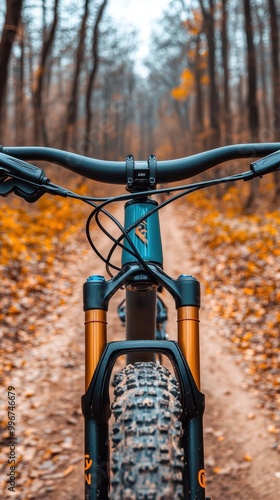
pixel 139 13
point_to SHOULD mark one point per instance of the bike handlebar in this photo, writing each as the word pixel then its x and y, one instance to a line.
pixel 115 172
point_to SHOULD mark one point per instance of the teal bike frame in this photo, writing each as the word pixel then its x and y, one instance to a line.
pixel 146 235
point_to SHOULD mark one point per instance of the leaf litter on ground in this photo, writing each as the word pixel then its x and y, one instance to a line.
pixel 236 257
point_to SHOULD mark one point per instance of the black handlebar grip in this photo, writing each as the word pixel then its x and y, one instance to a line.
pixel 23 170
pixel 265 165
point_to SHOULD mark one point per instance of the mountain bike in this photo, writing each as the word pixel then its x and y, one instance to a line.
pixel 157 435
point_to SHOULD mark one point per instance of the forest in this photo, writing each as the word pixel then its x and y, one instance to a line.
pixel 70 79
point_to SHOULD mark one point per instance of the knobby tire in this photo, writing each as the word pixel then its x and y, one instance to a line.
pixel 147 455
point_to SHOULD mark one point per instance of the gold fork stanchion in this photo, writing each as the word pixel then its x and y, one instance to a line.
pixel 95 340
pixel 188 338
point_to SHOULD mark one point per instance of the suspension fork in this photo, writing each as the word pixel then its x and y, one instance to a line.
pixel 96 410
pixel 95 402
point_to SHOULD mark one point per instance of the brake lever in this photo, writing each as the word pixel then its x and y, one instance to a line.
pixel 26 191
pixel 3 174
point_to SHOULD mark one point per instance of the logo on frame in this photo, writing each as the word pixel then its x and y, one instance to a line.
pixel 142 232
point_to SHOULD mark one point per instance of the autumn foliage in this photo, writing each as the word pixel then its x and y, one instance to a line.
pixel 238 261
pixel 35 241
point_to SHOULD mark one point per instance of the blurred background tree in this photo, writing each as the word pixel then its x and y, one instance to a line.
pixel 70 78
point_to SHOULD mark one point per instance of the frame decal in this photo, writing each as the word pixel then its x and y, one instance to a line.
pixel 142 232
pixel 88 464
pixel 202 478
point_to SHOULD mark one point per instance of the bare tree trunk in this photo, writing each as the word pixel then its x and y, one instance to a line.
pixel 150 127
pixel 128 115
pixel 39 128
pixel 11 24
pixel 227 120
pixel 93 72
pixel 253 112
pixel 199 109
pixel 275 47
pixel 142 135
pixel 20 99
pixel 107 93
pixel 252 74
pixel 72 108
pixel 263 74
pixel 209 29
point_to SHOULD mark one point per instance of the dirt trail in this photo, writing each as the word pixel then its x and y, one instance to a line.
pixel 238 458
pixel 49 382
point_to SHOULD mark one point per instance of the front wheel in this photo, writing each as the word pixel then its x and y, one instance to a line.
pixel 147 455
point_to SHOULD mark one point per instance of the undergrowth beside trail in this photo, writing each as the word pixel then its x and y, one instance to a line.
pixel 238 263
pixel 35 242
